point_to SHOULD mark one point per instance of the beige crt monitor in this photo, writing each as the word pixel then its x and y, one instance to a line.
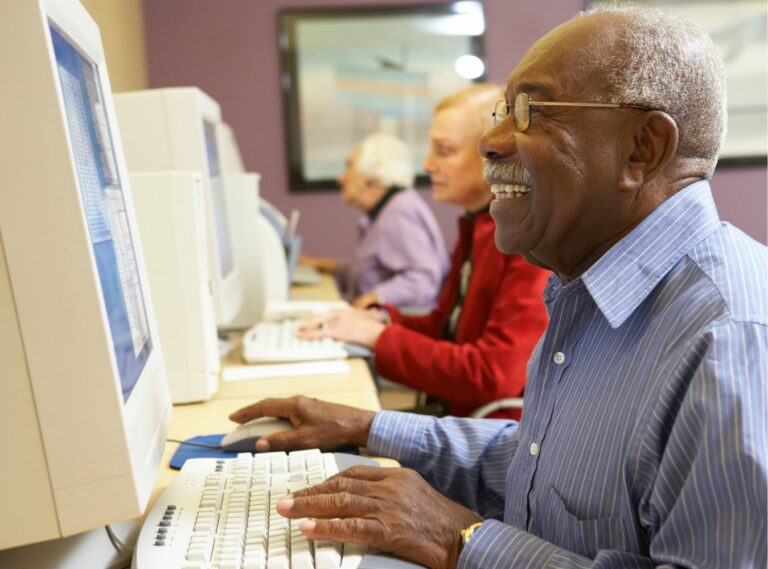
pixel 84 407
pixel 229 150
pixel 258 248
pixel 171 215
pixel 175 129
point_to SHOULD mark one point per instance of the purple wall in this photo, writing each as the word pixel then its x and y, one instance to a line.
pixel 229 49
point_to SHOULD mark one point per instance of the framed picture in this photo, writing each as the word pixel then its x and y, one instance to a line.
pixel 738 27
pixel 347 73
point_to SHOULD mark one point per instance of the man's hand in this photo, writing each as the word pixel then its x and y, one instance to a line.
pixel 349 325
pixel 317 424
pixel 392 509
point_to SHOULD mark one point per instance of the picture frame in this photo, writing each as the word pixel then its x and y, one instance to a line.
pixel 738 28
pixel 349 72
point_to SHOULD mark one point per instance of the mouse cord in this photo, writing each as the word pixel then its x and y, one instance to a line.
pixel 203 445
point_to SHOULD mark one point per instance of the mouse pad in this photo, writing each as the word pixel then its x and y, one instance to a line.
pixel 185 452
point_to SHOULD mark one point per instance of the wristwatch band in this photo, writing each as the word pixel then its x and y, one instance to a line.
pixel 467 533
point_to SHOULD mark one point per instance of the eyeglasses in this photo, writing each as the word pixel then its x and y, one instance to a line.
pixel 521 110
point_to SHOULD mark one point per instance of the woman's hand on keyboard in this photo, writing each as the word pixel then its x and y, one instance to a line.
pixel 317 424
pixel 392 509
pixel 349 325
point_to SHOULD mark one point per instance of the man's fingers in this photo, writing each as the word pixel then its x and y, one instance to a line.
pixel 252 411
pixel 333 484
pixel 336 485
pixel 271 407
pixel 295 439
pixel 369 473
pixel 337 505
pixel 356 530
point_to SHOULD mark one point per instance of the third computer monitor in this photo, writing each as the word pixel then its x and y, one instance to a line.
pixel 175 129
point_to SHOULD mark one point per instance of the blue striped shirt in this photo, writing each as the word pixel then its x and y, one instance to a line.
pixel 643 442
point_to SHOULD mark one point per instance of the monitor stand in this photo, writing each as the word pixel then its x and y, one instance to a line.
pixel 92 549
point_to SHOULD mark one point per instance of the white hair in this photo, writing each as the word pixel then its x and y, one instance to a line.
pixel 478 99
pixel 667 63
pixel 386 159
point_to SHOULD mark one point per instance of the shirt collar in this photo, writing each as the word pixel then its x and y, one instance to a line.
pixel 471 215
pixel 627 273
pixel 374 212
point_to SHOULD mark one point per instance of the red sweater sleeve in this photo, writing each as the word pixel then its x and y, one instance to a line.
pixel 502 319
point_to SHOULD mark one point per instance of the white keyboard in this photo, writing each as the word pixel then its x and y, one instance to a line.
pixel 305 275
pixel 220 514
pixel 277 342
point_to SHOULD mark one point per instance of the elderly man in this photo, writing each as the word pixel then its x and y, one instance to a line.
pixel 643 442
pixel 472 349
pixel 401 257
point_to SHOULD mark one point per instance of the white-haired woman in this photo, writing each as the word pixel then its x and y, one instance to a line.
pixel 401 257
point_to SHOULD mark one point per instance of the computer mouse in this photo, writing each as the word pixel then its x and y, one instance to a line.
pixel 244 437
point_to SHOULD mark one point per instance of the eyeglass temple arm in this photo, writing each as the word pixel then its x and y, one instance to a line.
pixel 595 105
pixel 556 104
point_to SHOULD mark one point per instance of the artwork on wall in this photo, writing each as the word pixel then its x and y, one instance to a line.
pixel 738 27
pixel 347 73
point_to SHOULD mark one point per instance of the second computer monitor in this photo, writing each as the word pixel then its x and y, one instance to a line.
pixel 176 129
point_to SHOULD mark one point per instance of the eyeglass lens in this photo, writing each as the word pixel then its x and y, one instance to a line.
pixel 520 112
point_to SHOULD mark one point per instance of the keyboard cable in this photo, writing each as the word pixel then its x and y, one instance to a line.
pixel 119 546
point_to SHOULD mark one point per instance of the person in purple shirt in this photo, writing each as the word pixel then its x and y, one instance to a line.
pixel 401 258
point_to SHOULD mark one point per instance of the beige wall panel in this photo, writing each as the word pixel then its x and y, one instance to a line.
pixel 122 32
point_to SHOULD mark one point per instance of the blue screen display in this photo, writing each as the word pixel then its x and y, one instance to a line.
pixel 104 210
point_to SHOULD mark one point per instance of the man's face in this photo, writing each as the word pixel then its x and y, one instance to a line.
pixel 568 157
pixel 351 181
pixel 453 162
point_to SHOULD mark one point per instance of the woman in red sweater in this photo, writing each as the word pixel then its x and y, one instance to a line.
pixel 473 348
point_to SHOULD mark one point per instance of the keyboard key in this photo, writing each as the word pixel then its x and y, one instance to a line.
pixel 327 554
pixel 278 562
pixel 196 555
pixel 353 555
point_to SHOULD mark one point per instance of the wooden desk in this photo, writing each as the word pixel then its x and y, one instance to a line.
pixel 326 290
pixel 355 388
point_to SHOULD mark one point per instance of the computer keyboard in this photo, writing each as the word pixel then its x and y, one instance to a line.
pixel 305 275
pixel 277 342
pixel 220 514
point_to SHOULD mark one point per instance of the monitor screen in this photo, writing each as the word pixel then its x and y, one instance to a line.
pixel 224 245
pixel 104 210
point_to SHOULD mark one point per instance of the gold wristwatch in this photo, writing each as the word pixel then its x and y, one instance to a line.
pixel 467 533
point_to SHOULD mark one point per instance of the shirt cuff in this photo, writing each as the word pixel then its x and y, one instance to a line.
pixel 380 298
pixel 496 544
pixel 398 435
pixel 383 311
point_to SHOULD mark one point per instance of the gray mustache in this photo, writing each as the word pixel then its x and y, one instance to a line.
pixel 506 172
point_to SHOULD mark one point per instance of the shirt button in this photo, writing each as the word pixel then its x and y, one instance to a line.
pixel 534 449
pixel 559 357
